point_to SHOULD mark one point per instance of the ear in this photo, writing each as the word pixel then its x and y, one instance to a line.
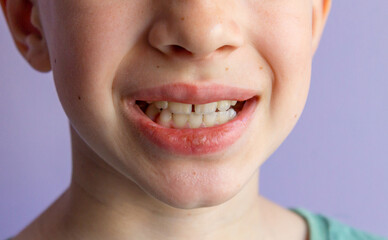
pixel 321 9
pixel 24 23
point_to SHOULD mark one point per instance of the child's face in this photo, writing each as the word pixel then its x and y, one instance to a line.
pixel 103 52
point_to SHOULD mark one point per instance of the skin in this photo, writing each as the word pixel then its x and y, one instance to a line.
pixel 124 188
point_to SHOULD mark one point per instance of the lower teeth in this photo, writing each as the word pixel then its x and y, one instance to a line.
pixel 165 118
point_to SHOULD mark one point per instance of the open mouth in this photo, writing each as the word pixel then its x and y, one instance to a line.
pixel 183 115
pixel 188 119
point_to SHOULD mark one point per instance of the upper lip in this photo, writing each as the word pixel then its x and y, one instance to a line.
pixel 194 94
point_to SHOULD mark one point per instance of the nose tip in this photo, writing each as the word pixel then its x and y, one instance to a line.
pixel 201 35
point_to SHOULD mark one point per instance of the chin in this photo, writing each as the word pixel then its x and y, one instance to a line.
pixel 187 200
pixel 194 189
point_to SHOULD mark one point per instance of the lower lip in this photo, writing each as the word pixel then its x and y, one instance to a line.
pixel 197 141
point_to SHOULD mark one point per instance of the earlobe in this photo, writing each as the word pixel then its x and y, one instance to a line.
pixel 23 20
pixel 321 10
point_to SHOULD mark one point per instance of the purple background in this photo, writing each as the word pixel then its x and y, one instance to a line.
pixel 334 162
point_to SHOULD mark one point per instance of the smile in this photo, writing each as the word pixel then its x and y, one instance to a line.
pixel 184 115
pixel 191 120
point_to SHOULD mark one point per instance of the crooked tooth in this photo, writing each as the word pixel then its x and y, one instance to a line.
pixel 223 105
pixel 231 113
pixel 152 111
pixel 181 108
pixel 195 120
pixel 165 118
pixel 205 108
pixel 222 117
pixel 161 104
pixel 232 103
pixel 210 119
pixel 180 120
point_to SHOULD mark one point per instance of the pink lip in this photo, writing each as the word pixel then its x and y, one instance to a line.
pixel 196 141
pixel 194 94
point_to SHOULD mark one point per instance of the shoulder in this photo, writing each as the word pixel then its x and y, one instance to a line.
pixel 325 228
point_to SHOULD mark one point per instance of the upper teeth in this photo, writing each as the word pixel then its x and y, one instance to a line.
pixel 205 108
pixel 161 104
pixel 185 108
pixel 179 107
pixel 180 115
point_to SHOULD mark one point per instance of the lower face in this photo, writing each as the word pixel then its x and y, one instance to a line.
pixel 189 125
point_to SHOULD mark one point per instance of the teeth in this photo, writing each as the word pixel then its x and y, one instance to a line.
pixel 231 113
pixel 180 120
pixel 210 119
pixel 181 108
pixel 152 111
pixel 180 115
pixel 165 118
pixel 161 104
pixel 223 105
pixel 195 120
pixel 206 108
pixel 222 117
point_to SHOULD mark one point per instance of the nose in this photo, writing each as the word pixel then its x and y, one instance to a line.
pixel 198 29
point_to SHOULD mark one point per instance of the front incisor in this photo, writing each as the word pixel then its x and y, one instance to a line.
pixel 205 108
pixel 181 108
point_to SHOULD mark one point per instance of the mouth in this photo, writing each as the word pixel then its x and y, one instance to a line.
pixel 191 120
pixel 185 115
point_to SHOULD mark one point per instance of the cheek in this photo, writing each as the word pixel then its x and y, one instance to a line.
pixel 283 37
pixel 88 40
pixel 291 64
pixel 282 33
pixel 291 82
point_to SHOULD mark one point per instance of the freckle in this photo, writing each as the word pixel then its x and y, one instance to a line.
pixel 226 69
pixel 295 116
pixel 158 66
pixel 79 97
pixel 189 214
pixel 261 68
pixel 182 18
pixel 194 173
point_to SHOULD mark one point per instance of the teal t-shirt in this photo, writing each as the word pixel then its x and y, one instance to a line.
pixel 324 228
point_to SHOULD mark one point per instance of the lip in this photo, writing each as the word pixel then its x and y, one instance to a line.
pixel 197 141
pixel 194 94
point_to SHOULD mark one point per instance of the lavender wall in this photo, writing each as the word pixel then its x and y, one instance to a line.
pixel 334 162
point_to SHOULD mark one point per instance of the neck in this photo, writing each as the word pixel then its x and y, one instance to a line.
pixel 103 204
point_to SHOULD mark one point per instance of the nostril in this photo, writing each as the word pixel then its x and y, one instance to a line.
pixel 226 48
pixel 179 51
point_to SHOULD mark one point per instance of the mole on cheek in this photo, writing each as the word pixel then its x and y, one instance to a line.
pixel 79 97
